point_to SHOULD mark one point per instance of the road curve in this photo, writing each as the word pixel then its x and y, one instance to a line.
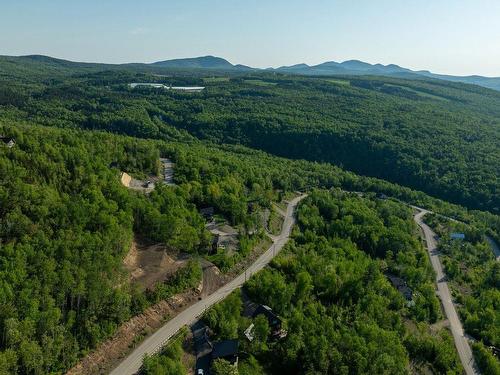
pixel 461 341
pixel 153 343
pixel 494 247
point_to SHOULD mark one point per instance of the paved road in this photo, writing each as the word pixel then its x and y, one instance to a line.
pixel 461 342
pixel 152 344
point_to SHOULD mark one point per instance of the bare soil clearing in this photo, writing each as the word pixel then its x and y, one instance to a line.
pixel 212 278
pixel 151 263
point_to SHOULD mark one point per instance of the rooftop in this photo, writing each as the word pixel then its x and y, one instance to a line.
pixel 225 348
pixel 457 236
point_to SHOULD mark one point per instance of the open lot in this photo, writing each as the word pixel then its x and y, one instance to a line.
pixel 150 263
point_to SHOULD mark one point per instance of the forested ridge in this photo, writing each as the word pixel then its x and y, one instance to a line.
pixel 435 136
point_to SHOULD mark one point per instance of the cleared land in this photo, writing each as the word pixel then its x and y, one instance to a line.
pixel 343 82
pixel 151 263
pixel 260 82
pixel 215 79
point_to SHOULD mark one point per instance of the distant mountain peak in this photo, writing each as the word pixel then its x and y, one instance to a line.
pixel 292 67
pixel 328 68
pixel 202 62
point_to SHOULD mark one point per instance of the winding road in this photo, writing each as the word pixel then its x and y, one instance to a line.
pixel 153 343
pixel 461 341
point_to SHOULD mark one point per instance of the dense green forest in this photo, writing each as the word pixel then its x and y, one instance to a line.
pixel 66 221
pixel 330 286
pixel 434 136
pixel 66 224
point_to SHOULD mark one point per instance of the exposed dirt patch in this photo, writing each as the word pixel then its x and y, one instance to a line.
pixel 212 278
pixel 145 186
pixel 148 185
pixel 151 263
pixel 109 353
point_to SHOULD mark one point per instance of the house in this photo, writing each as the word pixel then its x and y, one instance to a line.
pixel 207 212
pixel 457 236
pixel 9 142
pixel 226 349
pixel 252 310
pixel 402 288
pixel 273 319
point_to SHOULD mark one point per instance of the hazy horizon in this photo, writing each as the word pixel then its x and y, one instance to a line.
pixel 446 37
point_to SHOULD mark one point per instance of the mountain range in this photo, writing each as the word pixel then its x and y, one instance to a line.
pixel 212 63
pixel 351 67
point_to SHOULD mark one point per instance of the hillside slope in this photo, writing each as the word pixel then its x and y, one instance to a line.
pixel 439 137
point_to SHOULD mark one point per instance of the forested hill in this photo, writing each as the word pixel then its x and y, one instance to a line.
pixel 439 137
pixel 66 224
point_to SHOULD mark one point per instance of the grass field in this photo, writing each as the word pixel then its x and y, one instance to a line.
pixel 343 82
pixel 419 93
pixel 215 79
pixel 260 82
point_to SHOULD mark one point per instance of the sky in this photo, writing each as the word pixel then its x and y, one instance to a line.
pixel 459 37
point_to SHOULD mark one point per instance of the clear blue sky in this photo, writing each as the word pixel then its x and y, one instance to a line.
pixel 445 36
